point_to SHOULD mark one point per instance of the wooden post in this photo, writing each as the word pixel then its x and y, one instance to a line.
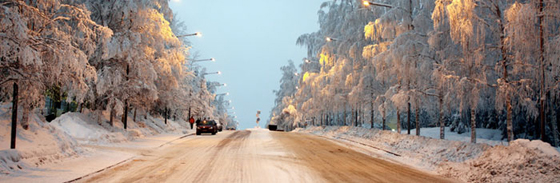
pixel 14 116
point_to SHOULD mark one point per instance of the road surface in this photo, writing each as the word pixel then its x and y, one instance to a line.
pixel 258 156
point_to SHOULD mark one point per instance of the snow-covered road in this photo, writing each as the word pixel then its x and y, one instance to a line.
pixel 258 156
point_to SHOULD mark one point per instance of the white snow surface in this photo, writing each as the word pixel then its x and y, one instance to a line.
pixel 40 144
pixel 455 157
pixel 75 139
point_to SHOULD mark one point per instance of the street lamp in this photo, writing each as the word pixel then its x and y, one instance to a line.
pixel 218 73
pixel 217 84
pixel 202 60
pixel 308 61
pixel 223 94
pixel 329 39
pixel 193 34
pixel 369 3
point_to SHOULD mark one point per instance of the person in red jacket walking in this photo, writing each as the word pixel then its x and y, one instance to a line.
pixel 191 121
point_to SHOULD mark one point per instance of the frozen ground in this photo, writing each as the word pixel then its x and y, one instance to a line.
pixel 487 161
pixel 76 144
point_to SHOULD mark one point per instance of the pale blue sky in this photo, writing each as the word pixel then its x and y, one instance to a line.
pixel 251 40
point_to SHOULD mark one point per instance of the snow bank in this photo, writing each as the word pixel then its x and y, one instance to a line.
pixel 46 143
pixel 38 145
pixel 418 151
pixel 86 130
pixel 522 161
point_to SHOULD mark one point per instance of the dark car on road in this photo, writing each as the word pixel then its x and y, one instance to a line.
pixel 207 126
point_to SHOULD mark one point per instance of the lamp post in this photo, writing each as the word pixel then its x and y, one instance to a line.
pixel 369 3
pixel 217 84
pixel 193 34
pixel 208 73
pixel 202 60
pixel 223 94
pixel 330 39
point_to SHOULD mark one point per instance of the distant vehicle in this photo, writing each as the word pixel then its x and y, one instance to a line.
pixel 207 126
pixel 230 128
pixel 272 127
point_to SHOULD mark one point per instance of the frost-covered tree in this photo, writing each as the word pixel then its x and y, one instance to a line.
pixel 145 59
pixel 424 57
pixel 45 44
pixel 284 97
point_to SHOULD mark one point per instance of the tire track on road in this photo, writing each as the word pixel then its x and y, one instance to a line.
pixel 237 137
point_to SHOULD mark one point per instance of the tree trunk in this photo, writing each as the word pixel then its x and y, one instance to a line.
pixel 372 116
pixel 505 61
pixel 473 125
pixel 383 121
pixel 417 119
pixel 111 117
pixel 398 120
pixel 327 120
pixel 383 117
pixel 556 135
pixel 125 116
pixel 25 117
pixel 321 120
pixel 189 113
pixel 356 118
pixel 344 115
pixel 165 115
pixel 14 117
pixel 441 123
pixel 509 118
pixel 542 65
pixel 99 115
pixel 134 118
pixel 408 117
pixel 352 115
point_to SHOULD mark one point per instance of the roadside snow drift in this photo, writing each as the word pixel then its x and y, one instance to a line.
pixel 53 142
pixel 41 144
pixel 522 161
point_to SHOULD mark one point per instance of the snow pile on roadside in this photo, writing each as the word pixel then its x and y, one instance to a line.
pixel 86 130
pixel 483 135
pixel 38 145
pixel 46 143
pixel 521 161
pixel 419 151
